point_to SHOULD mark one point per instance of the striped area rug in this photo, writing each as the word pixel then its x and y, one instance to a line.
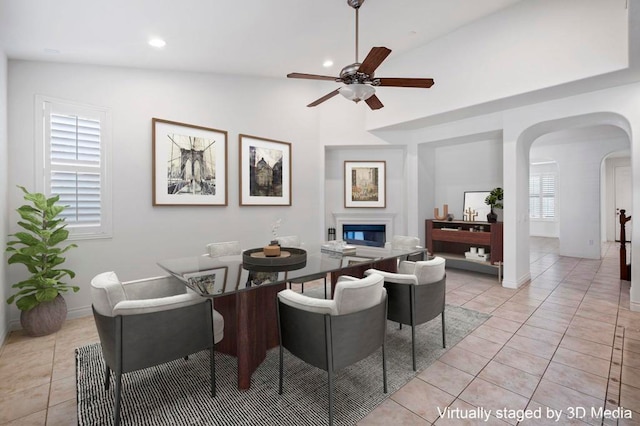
pixel 177 393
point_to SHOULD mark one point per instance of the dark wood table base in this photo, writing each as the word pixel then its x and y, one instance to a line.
pixel 251 325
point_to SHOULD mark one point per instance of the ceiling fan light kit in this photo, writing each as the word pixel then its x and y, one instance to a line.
pixel 357 92
pixel 358 78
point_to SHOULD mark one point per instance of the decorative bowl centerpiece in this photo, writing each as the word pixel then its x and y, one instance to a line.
pixel 271 251
pixel 289 259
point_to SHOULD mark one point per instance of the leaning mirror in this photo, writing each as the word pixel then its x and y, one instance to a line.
pixel 475 208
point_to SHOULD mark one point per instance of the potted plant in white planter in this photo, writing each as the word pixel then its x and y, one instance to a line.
pixel 494 199
pixel 39 297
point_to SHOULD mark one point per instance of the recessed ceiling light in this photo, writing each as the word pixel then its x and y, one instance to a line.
pixel 328 63
pixel 157 42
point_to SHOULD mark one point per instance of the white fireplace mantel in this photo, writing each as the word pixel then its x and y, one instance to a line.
pixel 360 218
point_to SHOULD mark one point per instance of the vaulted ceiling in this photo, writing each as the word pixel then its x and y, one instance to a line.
pixel 248 37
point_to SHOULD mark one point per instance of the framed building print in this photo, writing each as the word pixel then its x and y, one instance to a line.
pixel 364 184
pixel 189 164
pixel 212 281
pixel 265 172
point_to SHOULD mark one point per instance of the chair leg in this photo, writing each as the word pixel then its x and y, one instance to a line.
pixel 384 370
pixel 325 286
pixel 399 326
pixel 330 385
pixel 301 287
pixel 116 407
pixel 107 376
pixel 213 371
pixel 281 372
pixel 413 346
pixel 444 342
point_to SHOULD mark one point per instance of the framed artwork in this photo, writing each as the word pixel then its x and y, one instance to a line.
pixel 209 282
pixel 354 260
pixel 257 278
pixel 189 164
pixel 365 184
pixel 475 209
pixel 265 172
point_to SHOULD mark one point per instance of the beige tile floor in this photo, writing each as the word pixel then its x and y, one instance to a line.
pixel 566 339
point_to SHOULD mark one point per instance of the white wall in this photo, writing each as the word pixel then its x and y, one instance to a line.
pixel 4 205
pixel 143 234
pixel 523 48
pixel 395 183
pixel 475 166
pixel 448 169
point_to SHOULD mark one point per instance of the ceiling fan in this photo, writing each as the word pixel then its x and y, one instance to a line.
pixel 358 77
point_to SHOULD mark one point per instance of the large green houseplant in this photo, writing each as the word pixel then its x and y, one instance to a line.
pixel 39 248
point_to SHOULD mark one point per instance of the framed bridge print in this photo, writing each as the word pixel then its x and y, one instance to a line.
pixel 265 172
pixel 189 164
pixel 365 184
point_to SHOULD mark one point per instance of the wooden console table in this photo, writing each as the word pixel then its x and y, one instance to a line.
pixel 451 239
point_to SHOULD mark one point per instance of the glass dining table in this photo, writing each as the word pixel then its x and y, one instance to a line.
pixel 244 288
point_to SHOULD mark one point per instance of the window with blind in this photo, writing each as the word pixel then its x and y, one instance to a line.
pixel 74 155
pixel 542 196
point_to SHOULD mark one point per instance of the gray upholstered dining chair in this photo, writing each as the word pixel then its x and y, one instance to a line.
pixel 404 242
pixel 294 241
pixel 333 334
pixel 416 295
pixel 149 322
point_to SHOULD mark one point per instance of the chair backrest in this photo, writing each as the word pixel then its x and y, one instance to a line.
pixel 357 295
pixel 227 248
pixel 430 271
pixel 289 241
pixel 106 292
pixel 403 242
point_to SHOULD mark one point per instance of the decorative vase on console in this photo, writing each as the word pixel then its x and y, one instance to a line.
pixel 494 200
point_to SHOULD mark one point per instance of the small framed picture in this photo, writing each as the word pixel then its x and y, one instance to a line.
pixel 354 260
pixel 258 278
pixel 265 172
pixel 189 164
pixel 365 184
pixel 209 282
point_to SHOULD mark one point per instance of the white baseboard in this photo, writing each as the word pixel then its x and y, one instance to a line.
pixel 84 311
pixel 81 312
pixel 516 284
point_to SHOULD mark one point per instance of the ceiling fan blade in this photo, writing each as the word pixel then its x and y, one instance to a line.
pixel 312 76
pixel 406 82
pixel 374 103
pixel 324 98
pixel 374 59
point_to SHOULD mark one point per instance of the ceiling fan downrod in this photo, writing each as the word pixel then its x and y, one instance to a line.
pixel 357 34
pixel 356 5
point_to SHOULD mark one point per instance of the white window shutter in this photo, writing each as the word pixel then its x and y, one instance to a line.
pixel 74 160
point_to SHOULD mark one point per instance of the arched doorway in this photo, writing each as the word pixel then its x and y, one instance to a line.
pixel 516 174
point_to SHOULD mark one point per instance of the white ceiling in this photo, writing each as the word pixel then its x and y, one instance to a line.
pixel 249 37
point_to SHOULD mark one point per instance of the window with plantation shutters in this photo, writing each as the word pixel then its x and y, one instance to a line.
pixel 74 155
pixel 542 196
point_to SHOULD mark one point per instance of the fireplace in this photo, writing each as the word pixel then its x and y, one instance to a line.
pixel 382 222
pixel 364 235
